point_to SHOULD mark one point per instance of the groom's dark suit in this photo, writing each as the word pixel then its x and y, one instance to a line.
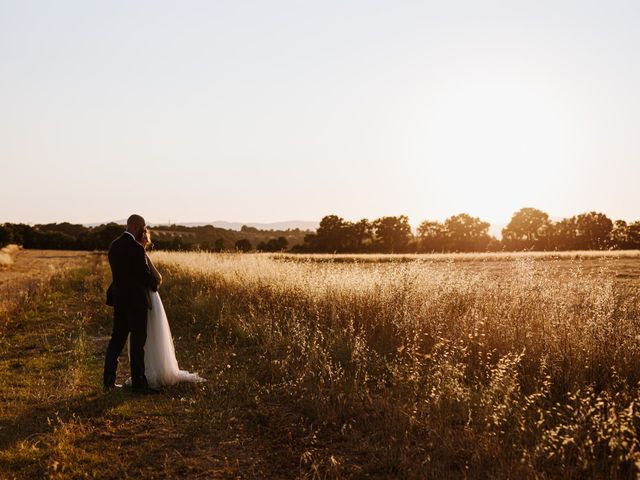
pixel 128 295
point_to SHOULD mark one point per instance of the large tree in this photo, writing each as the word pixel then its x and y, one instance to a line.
pixel 393 233
pixel 359 235
pixel 432 236
pixel 563 234
pixel 592 231
pixel 466 233
pixel 528 229
pixel 331 235
pixel 624 236
pixel 619 235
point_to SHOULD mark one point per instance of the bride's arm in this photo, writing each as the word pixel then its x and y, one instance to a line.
pixel 154 271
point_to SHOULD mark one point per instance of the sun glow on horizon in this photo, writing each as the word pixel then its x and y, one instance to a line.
pixel 497 144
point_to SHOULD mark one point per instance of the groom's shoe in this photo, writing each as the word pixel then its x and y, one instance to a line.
pixel 110 386
pixel 145 391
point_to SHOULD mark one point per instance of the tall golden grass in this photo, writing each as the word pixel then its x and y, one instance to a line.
pixel 437 368
pixel 460 257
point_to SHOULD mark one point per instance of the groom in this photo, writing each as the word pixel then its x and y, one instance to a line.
pixel 127 294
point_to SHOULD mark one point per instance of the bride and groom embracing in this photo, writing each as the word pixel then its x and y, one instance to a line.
pixel 138 313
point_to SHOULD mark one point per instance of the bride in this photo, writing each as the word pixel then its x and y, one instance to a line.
pixel 160 364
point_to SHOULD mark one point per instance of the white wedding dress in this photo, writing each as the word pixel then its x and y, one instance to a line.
pixel 160 364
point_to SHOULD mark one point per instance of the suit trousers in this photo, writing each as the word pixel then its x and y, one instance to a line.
pixel 127 320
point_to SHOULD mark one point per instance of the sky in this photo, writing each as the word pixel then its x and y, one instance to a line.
pixel 270 111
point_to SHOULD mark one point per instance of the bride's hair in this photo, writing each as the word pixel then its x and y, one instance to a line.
pixel 146 238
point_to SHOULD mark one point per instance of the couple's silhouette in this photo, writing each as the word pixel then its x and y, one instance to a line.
pixel 138 314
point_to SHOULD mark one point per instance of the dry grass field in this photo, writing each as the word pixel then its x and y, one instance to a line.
pixel 485 366
pixel 27 272
pixel 477 365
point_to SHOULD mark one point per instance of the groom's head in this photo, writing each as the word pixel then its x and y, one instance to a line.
pixel 135 225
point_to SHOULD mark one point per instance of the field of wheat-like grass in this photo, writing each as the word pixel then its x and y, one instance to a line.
pixel 460 257
pixel 511 368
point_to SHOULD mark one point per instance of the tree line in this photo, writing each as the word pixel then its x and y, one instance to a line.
pixel 62 236
pixel 529 229
pixel 68 236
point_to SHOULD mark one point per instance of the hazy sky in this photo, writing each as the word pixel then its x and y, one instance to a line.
pixel 267 110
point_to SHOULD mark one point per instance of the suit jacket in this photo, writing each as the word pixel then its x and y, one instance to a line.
pixel 131 274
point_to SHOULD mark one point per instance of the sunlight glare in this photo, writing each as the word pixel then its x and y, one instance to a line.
pixel 497 144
